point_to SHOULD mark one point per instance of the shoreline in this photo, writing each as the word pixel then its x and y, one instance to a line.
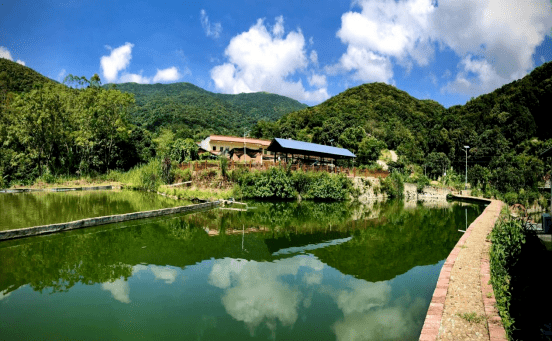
pixel 463 286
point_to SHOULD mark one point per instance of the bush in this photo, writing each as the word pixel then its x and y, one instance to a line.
pixel 324 186
pixel 421 182
pixel 182 175
pixel 393 185
pixel 507 240
pixel 282 184
pixel 274 183
pixel 510 198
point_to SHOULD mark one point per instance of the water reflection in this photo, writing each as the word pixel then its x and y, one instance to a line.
pixel 282 271
pixel 20 210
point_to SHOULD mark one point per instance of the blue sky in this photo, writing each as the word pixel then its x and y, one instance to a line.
pixel 448 51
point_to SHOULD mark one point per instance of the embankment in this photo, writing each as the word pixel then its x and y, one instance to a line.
pixel 77 224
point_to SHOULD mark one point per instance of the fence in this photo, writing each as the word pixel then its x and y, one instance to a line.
pixel 351 172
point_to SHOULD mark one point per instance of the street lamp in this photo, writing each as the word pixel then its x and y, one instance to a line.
pixel 466 150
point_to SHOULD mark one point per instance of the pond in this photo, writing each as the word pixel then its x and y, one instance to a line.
pixel 20 210
pixel 281 271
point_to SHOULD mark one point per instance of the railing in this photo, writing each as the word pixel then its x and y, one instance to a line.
pixel 350 172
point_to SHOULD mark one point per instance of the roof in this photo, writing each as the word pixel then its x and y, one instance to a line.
pixel 307 148
pixel 238 139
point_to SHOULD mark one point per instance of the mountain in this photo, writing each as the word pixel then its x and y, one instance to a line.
pixel 383 111
pixel 19 78
pixel 184 105
pixel 490 124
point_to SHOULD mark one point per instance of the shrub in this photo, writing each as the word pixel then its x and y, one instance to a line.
pixel 326 186
pixel 421 182
pixel 507 240
pixel 393 185
pixel 510 198
pixel 182 174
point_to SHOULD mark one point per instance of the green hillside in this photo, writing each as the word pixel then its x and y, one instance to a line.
pixel 185 106
pixel 19 78
pixel 506 130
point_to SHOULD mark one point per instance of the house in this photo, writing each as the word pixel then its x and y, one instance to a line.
pixel 233 147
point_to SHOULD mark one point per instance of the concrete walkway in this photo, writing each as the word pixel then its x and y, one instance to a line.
pixel 462 307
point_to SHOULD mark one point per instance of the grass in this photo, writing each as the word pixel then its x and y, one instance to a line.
pixel 489 295
pixel 472 317
pixel 190 193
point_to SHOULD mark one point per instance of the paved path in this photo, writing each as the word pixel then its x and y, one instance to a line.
pixel 463 292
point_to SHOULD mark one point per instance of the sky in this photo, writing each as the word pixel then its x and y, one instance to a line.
pixel 446 50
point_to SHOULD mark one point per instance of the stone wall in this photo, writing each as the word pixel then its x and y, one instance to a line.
pixel 370 189
pixel 38 230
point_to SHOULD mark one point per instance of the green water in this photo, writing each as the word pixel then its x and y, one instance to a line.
pixel 283 271
pixel 19 210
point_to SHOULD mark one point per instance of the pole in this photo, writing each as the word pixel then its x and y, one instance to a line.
pixel 466 183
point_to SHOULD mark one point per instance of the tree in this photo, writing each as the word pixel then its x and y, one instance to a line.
pixel 436 164
pixel 184 150
pixel 369 150
pixel 351 138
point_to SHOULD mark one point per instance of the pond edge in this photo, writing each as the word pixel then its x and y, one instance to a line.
pixel 432 324
pixel 89 222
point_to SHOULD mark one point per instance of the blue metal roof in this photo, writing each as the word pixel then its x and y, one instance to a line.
pixel 312 148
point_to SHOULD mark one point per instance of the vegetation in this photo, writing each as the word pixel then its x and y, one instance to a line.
pixel 472 317
pixel 192 112
pixel 506 130
pixel 80 128
pixel 277 183
pixel 51 130
pixel 516 259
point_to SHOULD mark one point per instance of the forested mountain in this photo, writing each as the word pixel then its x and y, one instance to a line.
pixel 506 130
pixel 184 106
pixel 19 78
pixel 80 129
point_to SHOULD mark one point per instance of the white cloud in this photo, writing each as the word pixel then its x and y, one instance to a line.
pixel 211 30
pixel 61 75
pixel 476 76
pixel 119 290
pixel 495 38
pixel 366 65
pixel 167 75
pixel 314 57
pixel 370 313
pixel 255 294
pixel 118 60
pixel 278 29
pixel 503 33
pixel 385 29
pixel 164 273
pixel 263 60
pixel 6 54
pixel 134 78
pixel 318 80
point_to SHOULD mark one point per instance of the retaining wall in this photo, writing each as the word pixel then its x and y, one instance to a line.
pixel 56 189
pixel 77 224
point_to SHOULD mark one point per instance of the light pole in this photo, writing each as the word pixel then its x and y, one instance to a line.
pixel 466 150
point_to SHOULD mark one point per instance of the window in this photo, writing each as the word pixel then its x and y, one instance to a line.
pixel 214 148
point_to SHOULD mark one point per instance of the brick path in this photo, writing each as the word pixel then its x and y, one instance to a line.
pixel 463 288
